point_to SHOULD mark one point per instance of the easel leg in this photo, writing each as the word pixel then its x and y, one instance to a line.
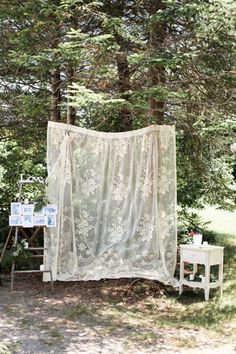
pixel 6 243
pixel 12 276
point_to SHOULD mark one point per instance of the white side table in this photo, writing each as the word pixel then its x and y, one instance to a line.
pixel 206 255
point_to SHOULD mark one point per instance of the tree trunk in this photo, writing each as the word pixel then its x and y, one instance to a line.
pixel 124 86
pixel 71 111
pixel 56 96
pixel 71 73
pixel 157 76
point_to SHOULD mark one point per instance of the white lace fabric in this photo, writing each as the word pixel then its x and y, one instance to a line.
pixel 116 198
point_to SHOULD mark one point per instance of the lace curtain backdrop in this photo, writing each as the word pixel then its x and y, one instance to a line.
pixel 116 198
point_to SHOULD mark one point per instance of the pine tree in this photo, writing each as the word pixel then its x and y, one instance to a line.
pixel 122 65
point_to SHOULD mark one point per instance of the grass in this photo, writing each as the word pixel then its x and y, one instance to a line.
pixel 141 313
pixel 170 310
pixel 26 322
pixel 74 312
pixel 222 221
pixel 218 313
pixel 54 333
pixel 140 305
pixel 11 348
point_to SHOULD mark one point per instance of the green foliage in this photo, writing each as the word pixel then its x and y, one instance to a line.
pixel 188 220
pixel 201 174
pixel 19 157
pixel 122 65
pixel 17 254
pixel 85 98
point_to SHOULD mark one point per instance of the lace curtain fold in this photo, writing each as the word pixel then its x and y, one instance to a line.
pixel 116 198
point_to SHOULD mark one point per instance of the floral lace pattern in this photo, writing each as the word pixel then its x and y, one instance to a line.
pixel 116 197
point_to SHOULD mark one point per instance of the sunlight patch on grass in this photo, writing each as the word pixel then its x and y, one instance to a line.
pixel 222 221
pixel 4 349
pixel 9 348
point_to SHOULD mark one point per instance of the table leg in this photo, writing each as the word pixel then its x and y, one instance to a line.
pixel 181 277
pixel 221 278
pixel 207 280
pixel 207 293
pixel 194 272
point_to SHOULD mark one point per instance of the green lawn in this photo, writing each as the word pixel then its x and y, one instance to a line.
pixel 223 222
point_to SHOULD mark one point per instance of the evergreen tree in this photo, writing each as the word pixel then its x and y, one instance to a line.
pixel 121 65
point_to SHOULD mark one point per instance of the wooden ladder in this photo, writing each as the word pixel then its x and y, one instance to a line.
pixel 30 239
pixel 31 249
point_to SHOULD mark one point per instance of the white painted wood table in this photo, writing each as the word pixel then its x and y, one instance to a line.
pixel 208 256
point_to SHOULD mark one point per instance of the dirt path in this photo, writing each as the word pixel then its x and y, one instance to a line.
pixel 116 316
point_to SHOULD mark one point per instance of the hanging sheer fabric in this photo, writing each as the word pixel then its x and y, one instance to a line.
pixel 116 198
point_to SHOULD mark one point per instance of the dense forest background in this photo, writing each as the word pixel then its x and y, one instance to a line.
pixel 120 65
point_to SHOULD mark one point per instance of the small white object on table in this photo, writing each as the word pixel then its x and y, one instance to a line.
pixel 208 256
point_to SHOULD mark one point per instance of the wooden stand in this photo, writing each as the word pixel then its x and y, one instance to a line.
pixel 29 238
pixel 206 255
pixel 6 243
pixel 37 255
pixel 35 251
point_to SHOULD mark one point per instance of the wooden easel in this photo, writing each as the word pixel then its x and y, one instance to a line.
pixel 36 254
pixel 4 249
pixel 29 238
pixel 6 244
